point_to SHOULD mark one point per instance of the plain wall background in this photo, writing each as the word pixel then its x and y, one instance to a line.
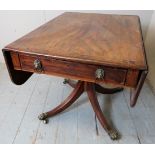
pixel 15 24
pixel 150 49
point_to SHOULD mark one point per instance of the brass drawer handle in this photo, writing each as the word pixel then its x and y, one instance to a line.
pixel 99 73
pixel 38 65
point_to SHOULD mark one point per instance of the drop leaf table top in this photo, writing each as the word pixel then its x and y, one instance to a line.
pixel 88 47
pixel 114 40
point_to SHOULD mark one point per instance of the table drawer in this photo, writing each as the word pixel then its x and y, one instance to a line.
pixel 72 70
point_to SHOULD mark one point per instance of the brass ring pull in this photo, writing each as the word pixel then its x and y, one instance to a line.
pixel 99 74
pixel 38 65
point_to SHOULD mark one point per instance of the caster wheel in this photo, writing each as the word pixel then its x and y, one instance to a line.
pixel 42 116
pixel 45 121
pixel 113 134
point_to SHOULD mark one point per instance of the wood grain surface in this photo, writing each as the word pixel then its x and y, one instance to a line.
pixel 113 40
pixel 73 70
pixel 20 107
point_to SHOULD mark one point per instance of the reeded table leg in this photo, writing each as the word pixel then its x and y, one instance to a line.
pixel 66 103
pixel 70 82
pixel 90 88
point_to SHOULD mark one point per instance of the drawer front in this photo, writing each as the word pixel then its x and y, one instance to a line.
pixel 72 70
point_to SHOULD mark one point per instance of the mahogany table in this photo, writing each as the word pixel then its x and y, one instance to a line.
pixel 90 48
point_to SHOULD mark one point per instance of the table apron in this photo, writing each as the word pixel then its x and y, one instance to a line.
pixel 75 70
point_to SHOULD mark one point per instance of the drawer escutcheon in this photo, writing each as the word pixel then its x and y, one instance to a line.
pixel 99 73
pixel 38 65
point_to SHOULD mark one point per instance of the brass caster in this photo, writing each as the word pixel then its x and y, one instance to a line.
pixel 113 134
pixel 45 121
pixel 42 116
pixel 65 81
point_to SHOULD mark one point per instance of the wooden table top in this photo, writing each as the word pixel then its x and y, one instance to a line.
pixel 113 40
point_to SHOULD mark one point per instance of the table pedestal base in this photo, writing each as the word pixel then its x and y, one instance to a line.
pixel 91 89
